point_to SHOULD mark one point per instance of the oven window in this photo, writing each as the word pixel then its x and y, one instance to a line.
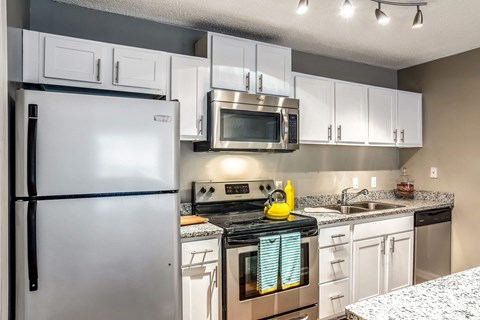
pixel 248 273
pixel 249 126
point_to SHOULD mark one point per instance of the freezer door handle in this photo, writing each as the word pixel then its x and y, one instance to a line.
pixel 32 245
pixel 32 150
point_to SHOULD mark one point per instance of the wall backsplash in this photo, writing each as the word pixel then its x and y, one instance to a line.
pixel 314 169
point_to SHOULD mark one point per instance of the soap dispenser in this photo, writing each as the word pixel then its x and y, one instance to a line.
pixel 290 192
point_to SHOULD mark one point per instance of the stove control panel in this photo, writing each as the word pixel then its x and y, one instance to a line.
pixel 218 191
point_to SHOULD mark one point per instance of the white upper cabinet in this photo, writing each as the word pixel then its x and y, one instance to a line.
pixel 249 66
pixel 316 105
pixel 382 116
pixel 409 119
pixel 351 119
pixel 233 63
pixel 274 70
pixel 140 68
pixel 72 59
pixel 189 85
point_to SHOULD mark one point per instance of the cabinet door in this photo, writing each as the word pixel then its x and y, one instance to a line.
pixel 274 70
pixel 382 116
pixel 189 85
pixel 399 261
pixel 233 64
pixel 368 268
pixel 409 119
pixel 73 59
pixel 350 113
pixel 200 292
pixel 140 69
pixel 316 105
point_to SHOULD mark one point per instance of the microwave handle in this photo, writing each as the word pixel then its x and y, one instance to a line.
pixel 285 125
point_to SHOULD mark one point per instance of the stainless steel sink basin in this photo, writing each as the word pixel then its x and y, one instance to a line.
pixel 376 205
pixel 360 207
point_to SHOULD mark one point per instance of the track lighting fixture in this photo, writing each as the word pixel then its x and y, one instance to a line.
pixel 382 18
pixel 418 21
pixel 347 9
pixel 302 7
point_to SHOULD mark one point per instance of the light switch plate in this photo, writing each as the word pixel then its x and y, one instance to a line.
pixel 373 183
pixel 433 173
pixel 355 183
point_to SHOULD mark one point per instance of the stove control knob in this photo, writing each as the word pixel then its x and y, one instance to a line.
pixel 211 190
pixel 261 187
pixel 203 190
pixel 269 187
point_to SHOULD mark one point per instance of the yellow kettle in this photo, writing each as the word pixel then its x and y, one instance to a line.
pixel 277 209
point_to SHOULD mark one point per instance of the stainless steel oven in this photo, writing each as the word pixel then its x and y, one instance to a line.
pixel 248 122
pixel 237 207
pixel 242 298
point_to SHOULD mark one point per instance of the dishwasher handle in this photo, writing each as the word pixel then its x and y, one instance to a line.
pixel 433 216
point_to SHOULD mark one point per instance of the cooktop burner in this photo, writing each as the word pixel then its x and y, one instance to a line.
pixel 237 207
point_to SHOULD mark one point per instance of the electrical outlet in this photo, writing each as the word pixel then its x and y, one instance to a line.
pixel 433 173
pixel 373 183
pixel 355 183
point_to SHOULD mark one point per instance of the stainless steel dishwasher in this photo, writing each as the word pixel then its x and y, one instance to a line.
pixel 432 244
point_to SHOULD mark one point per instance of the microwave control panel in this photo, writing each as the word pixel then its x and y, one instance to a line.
pixel 292 128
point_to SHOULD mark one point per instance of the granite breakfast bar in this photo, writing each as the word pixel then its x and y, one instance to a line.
pixel 454 297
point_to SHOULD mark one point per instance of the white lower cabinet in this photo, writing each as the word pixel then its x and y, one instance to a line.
pixel 334 271
pixel 382 257
pixel 201 280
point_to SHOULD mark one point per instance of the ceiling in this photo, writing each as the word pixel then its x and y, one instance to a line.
pixel 451 26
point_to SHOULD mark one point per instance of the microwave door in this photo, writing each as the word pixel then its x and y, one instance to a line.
pixel 246 127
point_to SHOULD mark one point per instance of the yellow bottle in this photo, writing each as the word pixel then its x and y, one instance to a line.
pixel 290 191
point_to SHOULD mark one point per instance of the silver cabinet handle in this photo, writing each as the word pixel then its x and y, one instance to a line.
pixel 402 133
pixel 304 317
pixel 99 65
pixel 201 252
pixel 392 244
pixel 338 235
pixel 395 135
pixel 382 249
pixel 330 133
pixel 247 81
pixel 117 71
pixel 339 133
pixel 260 84
pixel 215 277
pixel 200 125
pixel 337 261
pixel 338 296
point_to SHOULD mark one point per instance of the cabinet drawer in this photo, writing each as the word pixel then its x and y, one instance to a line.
pixel 334 263
pixel 334 296
pixel 382 227
pixel 334 236
pixel 197 252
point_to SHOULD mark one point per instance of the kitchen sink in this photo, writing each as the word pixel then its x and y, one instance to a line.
pixel 360 207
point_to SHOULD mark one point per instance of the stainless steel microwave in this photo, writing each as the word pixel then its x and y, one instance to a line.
pixel 238 121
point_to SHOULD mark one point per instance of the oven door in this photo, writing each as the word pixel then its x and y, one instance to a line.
pixel 252 127
pixel 242 299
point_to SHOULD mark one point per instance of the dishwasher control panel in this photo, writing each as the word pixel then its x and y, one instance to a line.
pixel 427 217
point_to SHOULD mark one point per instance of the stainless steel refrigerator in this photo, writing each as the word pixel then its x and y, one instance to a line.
pixel 96 212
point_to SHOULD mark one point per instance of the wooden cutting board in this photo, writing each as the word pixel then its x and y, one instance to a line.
pixel 188 220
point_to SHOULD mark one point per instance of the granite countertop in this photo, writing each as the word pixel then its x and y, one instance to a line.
pixel 453 297
pixel 200 230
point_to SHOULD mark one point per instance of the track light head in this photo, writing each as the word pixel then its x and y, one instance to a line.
pixel 302 7
pixel 382 18
pixel 347 9
pixel 418 21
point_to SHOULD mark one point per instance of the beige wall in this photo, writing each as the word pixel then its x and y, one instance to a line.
pixel 314 169
pixel 451 131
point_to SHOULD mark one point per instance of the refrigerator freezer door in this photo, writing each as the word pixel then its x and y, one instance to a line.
pixel 88 144
pixel 101 258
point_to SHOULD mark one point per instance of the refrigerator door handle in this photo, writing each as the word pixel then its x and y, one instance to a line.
pixel 32 150
pixel 32 245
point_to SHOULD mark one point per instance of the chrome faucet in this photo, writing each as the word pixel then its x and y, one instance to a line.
pixel 345 195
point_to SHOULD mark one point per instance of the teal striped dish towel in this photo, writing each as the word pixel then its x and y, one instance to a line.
pixel 267 264
pixel 290 260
